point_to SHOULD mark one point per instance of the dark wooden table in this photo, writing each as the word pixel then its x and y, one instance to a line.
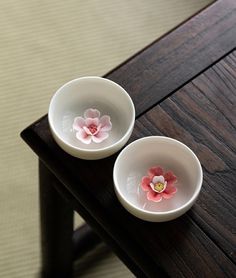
pixel 183 86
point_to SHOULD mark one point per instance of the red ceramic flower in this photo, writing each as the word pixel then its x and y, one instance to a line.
pixel 92 127
pixel 159 184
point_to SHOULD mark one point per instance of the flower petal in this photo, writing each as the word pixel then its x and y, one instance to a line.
pixel 155 171
pixel 91 113
pixel 170 177
pixel 100 136
pixel 83 136
pixel 167 196
pixel 105 122
pixel 78 123
pixel 153 196
pixel 152 186
pixel 91 121
pixel 170 190
pixel 88 132
pixel 145 183
pixel 157 179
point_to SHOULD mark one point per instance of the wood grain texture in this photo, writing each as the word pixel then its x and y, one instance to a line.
pixel 201 115
pixel 179 56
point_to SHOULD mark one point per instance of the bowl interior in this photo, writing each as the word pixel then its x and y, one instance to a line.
pixel 72 99
pixel 135 160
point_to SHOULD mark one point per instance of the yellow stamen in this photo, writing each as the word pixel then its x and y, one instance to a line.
pixel 159 186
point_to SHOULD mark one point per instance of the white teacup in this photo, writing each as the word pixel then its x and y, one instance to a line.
pixel 74 98
pixel 133 163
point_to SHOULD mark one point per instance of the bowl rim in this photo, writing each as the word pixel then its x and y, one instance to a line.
pixel 170 212
pixel 122 90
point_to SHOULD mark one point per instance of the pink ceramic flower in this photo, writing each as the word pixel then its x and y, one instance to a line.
pixel 92 127
pixel 159 184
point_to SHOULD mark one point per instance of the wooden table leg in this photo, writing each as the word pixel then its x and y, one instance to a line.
pixel 56 217
pixel 84 239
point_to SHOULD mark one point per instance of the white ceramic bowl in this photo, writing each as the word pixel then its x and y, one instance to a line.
pixel 133 163
pixel 73 98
